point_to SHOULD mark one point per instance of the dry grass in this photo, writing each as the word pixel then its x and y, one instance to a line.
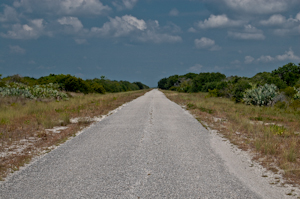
pixel 271 133
pixel 23 123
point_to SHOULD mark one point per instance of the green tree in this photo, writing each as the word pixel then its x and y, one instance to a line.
pixel 162 83
pixel 289 73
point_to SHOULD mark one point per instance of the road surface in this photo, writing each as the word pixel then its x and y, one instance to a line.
pixel 151 148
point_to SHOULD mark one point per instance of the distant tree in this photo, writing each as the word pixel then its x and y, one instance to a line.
pixel 263 78
pixel 140 85
pixel 171 81
pixel 75 84
pixel 289 73
pixel 200 80
pixel 162 83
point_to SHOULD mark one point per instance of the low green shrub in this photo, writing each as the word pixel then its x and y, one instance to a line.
pixel 261 96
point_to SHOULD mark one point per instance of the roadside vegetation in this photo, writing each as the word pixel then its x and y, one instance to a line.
pixel 49 86
pixel 30 109
pixel 260 114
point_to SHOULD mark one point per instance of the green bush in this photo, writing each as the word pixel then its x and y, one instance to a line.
pixel 289 73
pixel 290 92
pixel 261 96
pixel 239 89
pixel 75 84
pixel 98 88
pixel 213 93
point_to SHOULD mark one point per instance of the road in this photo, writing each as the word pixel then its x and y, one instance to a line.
pixel 151 148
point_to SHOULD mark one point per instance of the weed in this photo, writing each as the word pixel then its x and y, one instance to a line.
pixel 191 106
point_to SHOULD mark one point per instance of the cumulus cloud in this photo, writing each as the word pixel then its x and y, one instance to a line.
pixel 9 14
pixel 32 30
pixel 259 6
pixel 17 49
pixel 191 29
pixel 136 29
pixel 218 21
pixel 265 58
pixel 206 43
pixel 274 20
pixel 174 12
pixel 290 26
pixel 248 60
pixel 72 22
pixel 63 7
pixel 151 36
pixel 197 68
pixel 249 33
pixel 124 4
pixel 288 55
pixel 121 26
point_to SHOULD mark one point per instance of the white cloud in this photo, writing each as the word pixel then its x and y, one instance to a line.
pixel 298 16
pixel 124 4
pixel 192 30
pixel 197 68
pixel 174 12
pixel 274 20
pixel 288 55
pixel 17 49
pixel 290 26
pixel 171 27
pixel 206 43
pixel 136 29
pixel 32 30
pixel 287 31
pixel 259 6
pixel 265 58
pixel 121 26
pixel 152 36
pixel 74 22
pixel 218 21
pixel 248 60
pixel 249 33
pixel 9 14
pixel 63 7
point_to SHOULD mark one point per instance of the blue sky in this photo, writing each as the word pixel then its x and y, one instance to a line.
pixel 146 40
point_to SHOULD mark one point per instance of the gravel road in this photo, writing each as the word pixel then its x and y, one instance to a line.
pixel 151 148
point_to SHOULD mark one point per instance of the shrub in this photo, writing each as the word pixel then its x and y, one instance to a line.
pixel 289 73
pixel 239 88
pixel 261 96
pixel 213 93
pixel 75 84
pixel 290 92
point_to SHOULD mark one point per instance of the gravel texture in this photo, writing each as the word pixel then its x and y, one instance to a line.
pixel 151 148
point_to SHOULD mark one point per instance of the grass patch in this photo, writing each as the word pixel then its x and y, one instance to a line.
pixel 23 119
pixel 271 132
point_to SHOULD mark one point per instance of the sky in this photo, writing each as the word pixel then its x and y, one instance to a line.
pixel 147 40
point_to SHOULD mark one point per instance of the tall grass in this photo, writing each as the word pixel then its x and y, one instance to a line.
pixel 272 133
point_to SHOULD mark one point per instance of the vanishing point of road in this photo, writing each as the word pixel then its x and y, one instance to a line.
pixel 151 148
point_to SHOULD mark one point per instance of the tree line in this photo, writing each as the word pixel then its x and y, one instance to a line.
pixel 286 80
pixel 75 84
